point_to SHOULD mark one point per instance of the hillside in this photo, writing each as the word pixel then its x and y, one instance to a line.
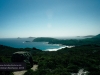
pixel 61 62
pixel 97 36
pixel 85 55
pixel 93 40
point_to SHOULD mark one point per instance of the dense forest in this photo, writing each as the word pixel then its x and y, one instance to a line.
pixel 62 62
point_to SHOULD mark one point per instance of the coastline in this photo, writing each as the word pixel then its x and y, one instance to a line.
pixel 55 49
pixel 58 48
pixel 22 43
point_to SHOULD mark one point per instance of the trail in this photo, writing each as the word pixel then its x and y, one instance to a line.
pixel 34 68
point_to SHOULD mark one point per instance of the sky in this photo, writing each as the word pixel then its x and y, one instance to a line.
pixel 49 18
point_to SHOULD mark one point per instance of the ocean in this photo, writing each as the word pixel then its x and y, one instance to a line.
pixel 20 43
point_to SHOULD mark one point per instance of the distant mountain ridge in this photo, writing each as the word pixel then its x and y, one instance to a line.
pixel 92 40
pixel 97 36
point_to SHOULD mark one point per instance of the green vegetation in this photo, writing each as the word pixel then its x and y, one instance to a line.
pixel 62 62
pixel 94 40
pixel 6 54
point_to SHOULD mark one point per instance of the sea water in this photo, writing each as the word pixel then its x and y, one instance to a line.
pixel 20 43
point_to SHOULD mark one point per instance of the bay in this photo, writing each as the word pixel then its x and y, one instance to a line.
pixel 20 43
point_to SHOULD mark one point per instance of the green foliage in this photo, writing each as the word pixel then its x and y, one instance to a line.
pixel 94 40
pixel 61 62
pixel 6 73
pixel 72 68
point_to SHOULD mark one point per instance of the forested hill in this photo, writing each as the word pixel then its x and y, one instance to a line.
pixel 8 51
pixel 93 40
pixel 97 36
pixel 61 62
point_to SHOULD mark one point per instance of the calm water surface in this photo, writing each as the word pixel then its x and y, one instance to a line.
pixel 20 43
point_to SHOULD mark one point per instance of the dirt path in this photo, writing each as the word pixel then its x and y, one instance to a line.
pixel 19 72
pixel 34 68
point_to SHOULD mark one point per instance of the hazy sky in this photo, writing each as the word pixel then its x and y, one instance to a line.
pixel 24 18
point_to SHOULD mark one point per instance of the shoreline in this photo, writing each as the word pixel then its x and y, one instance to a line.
pixel 58 48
